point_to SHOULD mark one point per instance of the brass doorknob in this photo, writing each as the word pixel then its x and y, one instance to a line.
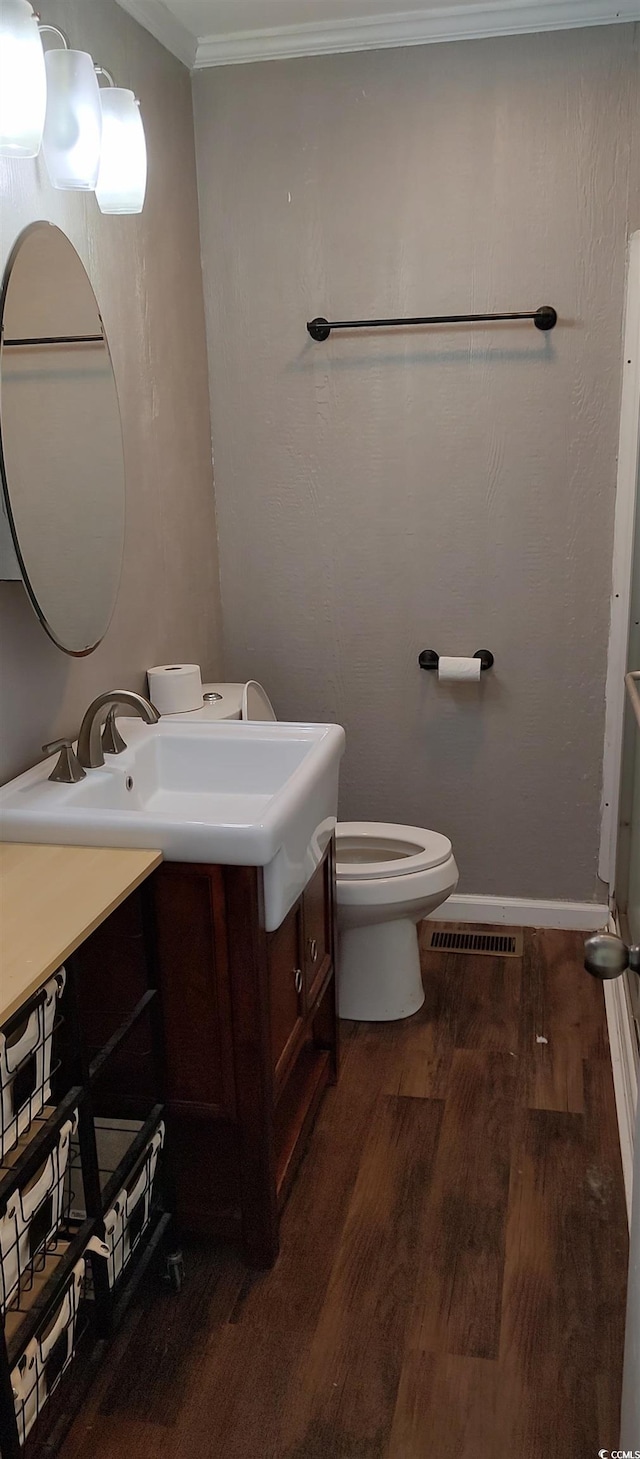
pixel 607 956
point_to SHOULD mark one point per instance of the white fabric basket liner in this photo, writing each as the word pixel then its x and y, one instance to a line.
pixel 22 1208
pixel 36 1039
pixel 117 1222
pixel 29 1378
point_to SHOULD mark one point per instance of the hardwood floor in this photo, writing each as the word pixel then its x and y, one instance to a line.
pixel 454 1250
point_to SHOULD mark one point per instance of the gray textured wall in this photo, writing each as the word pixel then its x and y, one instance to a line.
pixel 146 273
pixel 386 492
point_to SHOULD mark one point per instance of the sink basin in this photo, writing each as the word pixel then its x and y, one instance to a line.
pixel 241 794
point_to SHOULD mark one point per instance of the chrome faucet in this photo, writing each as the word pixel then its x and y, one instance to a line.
pixel 90 749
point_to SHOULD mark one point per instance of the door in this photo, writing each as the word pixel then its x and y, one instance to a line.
pixel 627 879
pixel 608 957
pixel 630 1430
pixel 619 863
pixel 628 893
pixel 627 889
pixel 625 963
pixel 626 873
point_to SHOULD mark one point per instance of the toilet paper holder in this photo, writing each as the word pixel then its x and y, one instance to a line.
pixel 429 659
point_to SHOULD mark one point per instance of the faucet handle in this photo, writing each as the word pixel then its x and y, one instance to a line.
pixel 112 741
pixel 67 769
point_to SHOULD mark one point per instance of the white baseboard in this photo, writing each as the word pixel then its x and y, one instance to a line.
pixel 524 912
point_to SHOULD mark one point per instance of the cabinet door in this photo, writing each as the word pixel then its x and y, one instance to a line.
pixel 286 991
pixel 317 930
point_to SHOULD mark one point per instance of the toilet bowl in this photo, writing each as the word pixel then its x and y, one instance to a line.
pixel 388 878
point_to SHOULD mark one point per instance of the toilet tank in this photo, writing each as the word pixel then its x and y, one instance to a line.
pixel 231 701
pixel 225 702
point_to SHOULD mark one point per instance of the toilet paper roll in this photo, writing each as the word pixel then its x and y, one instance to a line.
pixel 175 688
pixel 458 671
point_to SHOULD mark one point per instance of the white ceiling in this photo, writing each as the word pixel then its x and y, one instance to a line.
pixel 224 32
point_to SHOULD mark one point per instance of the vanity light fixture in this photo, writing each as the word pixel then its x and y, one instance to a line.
pixel 122 178
pixel 73 121
pixel 23 85
pixel 93 140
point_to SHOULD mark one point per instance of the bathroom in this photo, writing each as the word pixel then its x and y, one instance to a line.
pixel 315 514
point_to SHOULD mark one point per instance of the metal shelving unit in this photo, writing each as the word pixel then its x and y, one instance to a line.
pixel 90 1164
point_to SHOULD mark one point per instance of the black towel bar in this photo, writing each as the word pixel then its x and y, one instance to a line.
pixel 320 329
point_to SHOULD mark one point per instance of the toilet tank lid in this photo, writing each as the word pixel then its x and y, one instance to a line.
pixel 237 701
pixel 227 706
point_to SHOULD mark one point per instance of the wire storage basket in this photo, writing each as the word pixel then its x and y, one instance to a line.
pixel 32 1217
pixel 47 1356
pixel 26 1068
pixel 82 1076
pixel 129 1216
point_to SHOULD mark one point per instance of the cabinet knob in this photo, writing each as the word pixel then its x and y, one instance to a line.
pixel 313 949
pixel 298 979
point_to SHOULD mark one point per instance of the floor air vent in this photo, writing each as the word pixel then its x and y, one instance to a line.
pixel 488 944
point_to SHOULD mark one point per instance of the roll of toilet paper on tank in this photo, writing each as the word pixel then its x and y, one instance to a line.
pixel 175 688
pixel 458 671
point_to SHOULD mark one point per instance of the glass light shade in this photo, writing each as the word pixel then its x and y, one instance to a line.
pixel 23 85
pixel 122 179
pixel 73 121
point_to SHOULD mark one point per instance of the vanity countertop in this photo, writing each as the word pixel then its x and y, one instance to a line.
pixel 51 899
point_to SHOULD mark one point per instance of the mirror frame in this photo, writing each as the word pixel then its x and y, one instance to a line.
pixel 4 483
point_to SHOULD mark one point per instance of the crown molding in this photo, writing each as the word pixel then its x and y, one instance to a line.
pixel 164 25
pixel 408 28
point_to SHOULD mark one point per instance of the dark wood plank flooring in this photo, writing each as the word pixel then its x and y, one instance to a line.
pixel 454 1250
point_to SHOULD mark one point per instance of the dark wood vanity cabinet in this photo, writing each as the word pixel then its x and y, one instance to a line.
pixel 318 934
pixel 286 993
pixel 251 1042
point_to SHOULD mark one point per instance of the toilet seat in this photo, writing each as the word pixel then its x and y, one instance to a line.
pixel 256 703
pixel 373 850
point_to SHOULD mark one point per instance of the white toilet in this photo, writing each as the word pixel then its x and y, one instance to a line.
pixel 388 878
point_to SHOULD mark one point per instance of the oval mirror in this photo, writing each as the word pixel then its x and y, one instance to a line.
pixel 61 456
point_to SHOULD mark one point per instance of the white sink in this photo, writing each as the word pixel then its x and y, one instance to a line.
pixel 234 793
